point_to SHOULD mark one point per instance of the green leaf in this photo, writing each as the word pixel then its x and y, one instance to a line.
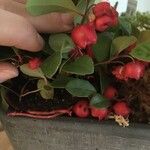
pixel 82 6
pixel 142 52
pixel 144 36
pixel 80 88
pixel 125 26
pixel 99 101
pixel 121 43
pixel 102 47
pixel 61 81
pixel 3 99
pixel 32 72
pixel 61 42
pixel 51 64
pixel 40 7
pixel 104 80
pixel 81 66
pixel 46 91
pixel 47 49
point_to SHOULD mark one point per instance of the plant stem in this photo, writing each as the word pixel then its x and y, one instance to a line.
pixel 116 57
pixel 9 89
pixel 31 92
pixel 16 51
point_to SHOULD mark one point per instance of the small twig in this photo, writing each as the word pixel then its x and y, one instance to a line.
pixel 17 54
pixel 9 89
pixel 31 92
pixel 116 57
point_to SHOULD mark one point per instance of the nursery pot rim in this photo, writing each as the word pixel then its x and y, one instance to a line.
pixel 74 133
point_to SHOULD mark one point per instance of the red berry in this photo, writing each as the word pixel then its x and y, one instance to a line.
pixel 100 113
pixel 122 109
pixel 81 109
pixel 110 92
pixel 106 16
pixel 118 72
pixel 134 70
pixel 34 63
pixel 84 35
pixel 102 23
pixel 102 9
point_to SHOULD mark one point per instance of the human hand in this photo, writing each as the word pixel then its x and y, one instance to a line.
pixel 19 29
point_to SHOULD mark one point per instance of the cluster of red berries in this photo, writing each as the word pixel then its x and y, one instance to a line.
pixel 132 70
pixel 83 110
pixel 84 35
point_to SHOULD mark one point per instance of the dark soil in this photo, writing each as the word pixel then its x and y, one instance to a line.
pixel 62 99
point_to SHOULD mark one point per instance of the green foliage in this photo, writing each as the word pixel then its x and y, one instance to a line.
pixel 99 101
pixel 61 42
pixel 3 99
pixel 40 7
pixel 125 25
pixel 81 66
pixel 142 52
pixel 61 81
pixel 31 72
pixel 121 43
pixel 82 6
pixel 51 64
pixel 102 47
pixel 80 88
pixel 46 91
pixel 140 20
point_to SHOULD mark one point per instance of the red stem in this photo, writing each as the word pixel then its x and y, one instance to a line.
pixel 65 111
pixel 41 115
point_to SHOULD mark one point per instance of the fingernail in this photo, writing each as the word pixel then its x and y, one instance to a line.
pixel 40 40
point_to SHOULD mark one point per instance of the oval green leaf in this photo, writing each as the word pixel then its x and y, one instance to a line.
pixel 51 64
pixel 121 43
pixel 61 81
pixel 40 7
pixel 142 52
pixel 99 101
pixel 61 42
pixel 32 72
pixel 46 91
pixel 3 93
pixel 80 88
pixel 102 47
pixel 81 66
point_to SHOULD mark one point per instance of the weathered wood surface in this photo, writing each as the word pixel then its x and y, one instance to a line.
pixel 74 134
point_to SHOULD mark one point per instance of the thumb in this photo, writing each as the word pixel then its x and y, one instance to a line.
pixel 7 71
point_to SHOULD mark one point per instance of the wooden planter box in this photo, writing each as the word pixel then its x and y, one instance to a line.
pixel 74 134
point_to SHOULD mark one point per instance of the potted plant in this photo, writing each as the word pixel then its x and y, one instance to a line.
pixel 99 71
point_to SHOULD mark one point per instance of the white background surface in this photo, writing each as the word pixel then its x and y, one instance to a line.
pixel 143 5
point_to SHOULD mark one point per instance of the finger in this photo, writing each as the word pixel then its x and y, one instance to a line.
pixel 7 71
pixel 53 22
pixel 17 31
pixel 20 1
